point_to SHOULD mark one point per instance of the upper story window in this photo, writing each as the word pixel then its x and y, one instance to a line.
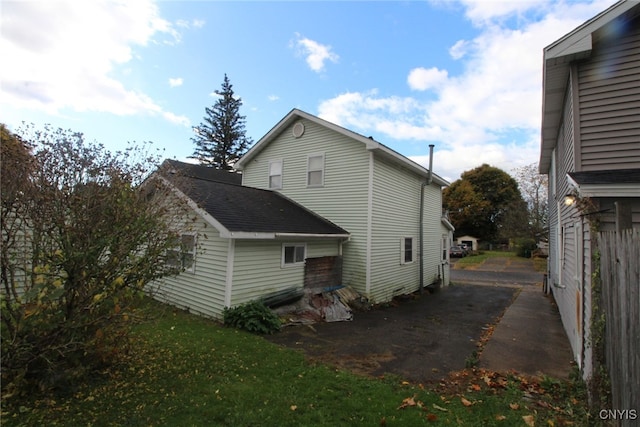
pixel 275 174
pixel 315 170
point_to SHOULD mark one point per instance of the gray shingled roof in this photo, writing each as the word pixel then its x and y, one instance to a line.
pixel 246 209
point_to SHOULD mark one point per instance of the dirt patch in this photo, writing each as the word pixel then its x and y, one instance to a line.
pixel 420 338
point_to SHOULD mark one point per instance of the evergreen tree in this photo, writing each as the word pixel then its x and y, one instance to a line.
pixel 220 140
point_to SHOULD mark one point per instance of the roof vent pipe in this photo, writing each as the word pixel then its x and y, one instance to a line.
pixel 421 220
pixel 430 164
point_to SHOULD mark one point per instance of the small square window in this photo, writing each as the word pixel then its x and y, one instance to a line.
pixel 293 254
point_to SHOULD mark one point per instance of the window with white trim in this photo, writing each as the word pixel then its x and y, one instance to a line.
pixel 407 250
pixel 275 174
pixel 444 246
pixel 183 255
pixel 315 170
pixel 293 254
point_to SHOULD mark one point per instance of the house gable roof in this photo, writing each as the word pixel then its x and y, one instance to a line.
pixel 369 143
pixel 556 61
pixel 245 212
pixel 202 172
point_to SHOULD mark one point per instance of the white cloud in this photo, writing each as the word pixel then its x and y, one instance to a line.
pixel 423 78
pixel 64 54
pixel 273 97
pixel 175 82
pixel 315 54
pixel 475 115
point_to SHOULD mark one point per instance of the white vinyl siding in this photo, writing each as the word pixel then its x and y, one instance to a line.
pixel 343 197
pixel 275 174
pixel 396 211
pixel 258 268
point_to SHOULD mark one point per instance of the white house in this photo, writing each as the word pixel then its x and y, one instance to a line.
pixel 318 204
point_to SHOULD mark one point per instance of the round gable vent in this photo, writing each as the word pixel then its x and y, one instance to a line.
pixel 298 129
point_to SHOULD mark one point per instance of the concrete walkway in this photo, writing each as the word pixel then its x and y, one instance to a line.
pixel 529 338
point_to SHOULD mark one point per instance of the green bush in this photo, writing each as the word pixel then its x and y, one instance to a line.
pixel 253 316
pixel 525 247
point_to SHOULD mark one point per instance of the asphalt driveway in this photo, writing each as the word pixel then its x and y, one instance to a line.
pixel 420 337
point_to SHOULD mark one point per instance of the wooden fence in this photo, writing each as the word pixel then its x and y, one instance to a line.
pixel 620 278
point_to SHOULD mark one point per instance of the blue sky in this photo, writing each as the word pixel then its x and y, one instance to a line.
pixel 463 75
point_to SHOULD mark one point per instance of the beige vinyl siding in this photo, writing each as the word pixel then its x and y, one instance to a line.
pixel 396 209
pixel 258 271
pixel 610 104
pixel 343 197
pixel 203 290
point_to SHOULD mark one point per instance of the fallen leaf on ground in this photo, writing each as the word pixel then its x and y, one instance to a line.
pixel 500 417
pixel 514 406
pixel 409 401
pixel 465 402
pixel 528 419
pixel 440 408
pixel 432 417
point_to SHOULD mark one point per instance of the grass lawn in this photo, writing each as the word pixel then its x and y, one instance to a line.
pixel 539 264
pixel 188 371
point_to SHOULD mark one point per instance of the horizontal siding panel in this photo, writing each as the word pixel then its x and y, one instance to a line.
pixel 396 209
pixel 614 99
pixel 257 271
pixel 600 118
pixel 610 105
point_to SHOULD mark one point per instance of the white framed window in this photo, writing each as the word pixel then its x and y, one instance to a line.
pixel 444 245
pixel 293 254
pixel 315 170
pixel 275 174
pixel 407 250
pixel 183 255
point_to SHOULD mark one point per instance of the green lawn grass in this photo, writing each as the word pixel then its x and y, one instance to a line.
pixel 185 370
pixel 473 260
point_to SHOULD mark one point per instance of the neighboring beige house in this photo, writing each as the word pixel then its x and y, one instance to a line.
pixel 318 203
pixel 591 153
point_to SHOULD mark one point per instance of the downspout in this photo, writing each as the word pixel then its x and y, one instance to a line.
pixel 424 184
